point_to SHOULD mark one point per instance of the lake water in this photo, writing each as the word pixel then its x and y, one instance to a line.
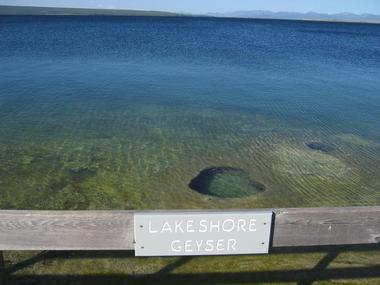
pixel 124 112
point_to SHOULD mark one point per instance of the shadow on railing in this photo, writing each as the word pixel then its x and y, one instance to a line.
pixel 164 276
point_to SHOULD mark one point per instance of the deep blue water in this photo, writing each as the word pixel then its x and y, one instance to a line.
pixel 195 92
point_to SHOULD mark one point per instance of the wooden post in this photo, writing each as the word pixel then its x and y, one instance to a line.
pixel 2 269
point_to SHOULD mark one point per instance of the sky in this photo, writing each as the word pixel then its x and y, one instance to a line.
pixel 206 6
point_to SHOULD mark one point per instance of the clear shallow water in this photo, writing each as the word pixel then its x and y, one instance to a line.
pixel 122 113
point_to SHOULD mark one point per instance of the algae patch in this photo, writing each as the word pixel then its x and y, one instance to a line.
pixel 356 140
pixel 225 182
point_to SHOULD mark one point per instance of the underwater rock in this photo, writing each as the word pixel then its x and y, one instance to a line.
pixel 320 146
pixel 305 163
pixel 81 174
pixel 225 182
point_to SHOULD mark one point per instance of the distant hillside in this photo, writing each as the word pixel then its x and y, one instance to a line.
pixel 26 10
pixel 311 16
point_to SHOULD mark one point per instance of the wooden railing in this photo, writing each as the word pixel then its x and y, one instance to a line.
pixel 114 230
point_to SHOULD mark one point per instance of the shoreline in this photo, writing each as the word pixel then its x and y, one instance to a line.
pixel 80 12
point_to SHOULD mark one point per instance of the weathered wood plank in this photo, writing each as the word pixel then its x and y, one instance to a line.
pixel 113 230
pixel 326 226
pixel 71 230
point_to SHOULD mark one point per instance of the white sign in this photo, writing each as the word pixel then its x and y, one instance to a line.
pixel 202 233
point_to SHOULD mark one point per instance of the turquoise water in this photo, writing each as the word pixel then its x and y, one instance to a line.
pixel 123 112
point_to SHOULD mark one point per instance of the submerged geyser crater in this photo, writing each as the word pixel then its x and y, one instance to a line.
pixel 225 182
